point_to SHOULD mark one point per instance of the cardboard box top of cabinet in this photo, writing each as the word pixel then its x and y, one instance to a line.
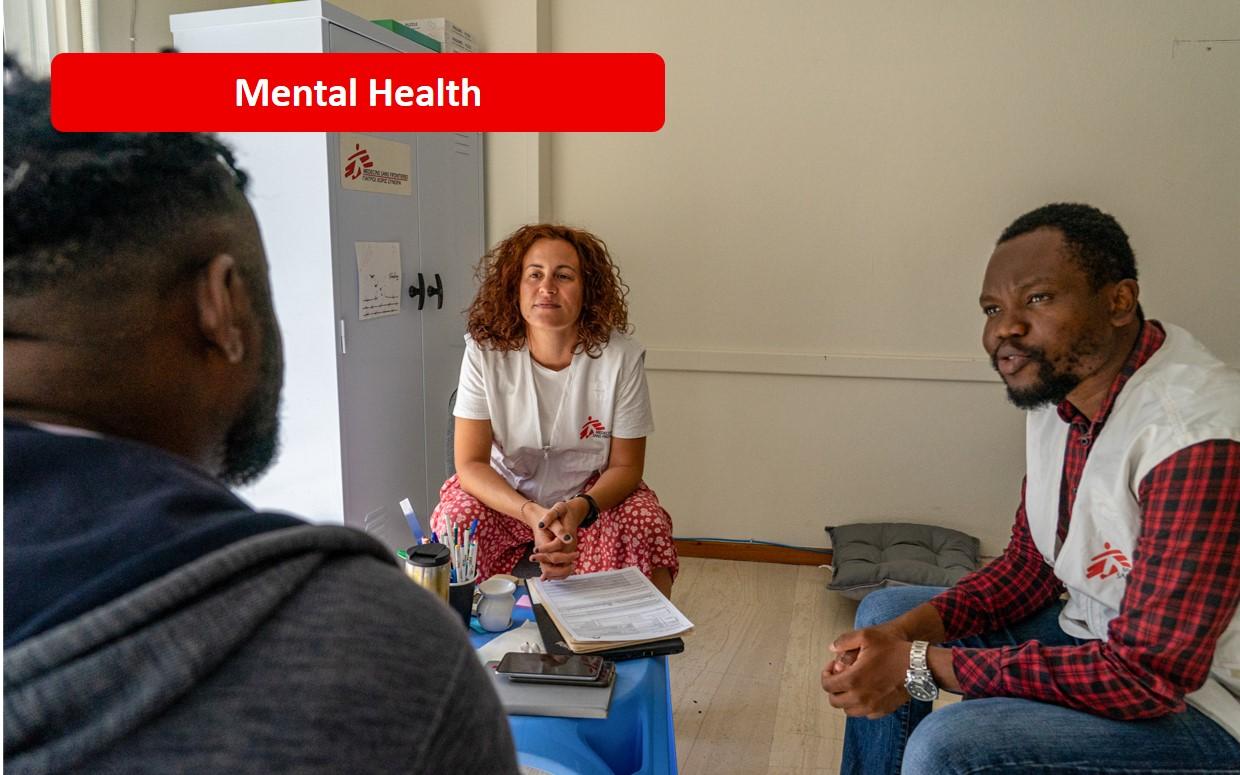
pixel 450 36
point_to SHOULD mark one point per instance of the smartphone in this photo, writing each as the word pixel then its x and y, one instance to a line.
pixel 605 677
pixel 550 667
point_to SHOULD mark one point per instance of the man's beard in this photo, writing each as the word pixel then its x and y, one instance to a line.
pixel 253 440
pixel 1054 382
pixel 1052 385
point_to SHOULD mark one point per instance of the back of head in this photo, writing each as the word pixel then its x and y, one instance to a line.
pixel 135 288
pixel 96 216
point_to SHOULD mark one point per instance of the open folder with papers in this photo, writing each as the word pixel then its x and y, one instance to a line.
pixel 609 609
pixel 554 642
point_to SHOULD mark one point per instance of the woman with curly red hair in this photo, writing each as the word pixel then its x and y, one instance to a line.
pixel 552 414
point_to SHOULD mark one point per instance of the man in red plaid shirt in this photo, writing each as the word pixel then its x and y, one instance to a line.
pixel 1106 638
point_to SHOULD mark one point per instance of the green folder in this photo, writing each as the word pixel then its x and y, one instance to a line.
pixel 412 34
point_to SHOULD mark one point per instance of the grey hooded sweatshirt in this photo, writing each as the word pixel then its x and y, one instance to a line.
pixel 301 649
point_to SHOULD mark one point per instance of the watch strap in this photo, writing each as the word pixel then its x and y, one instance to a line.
pixel 917 655
pixel 918 680
pixel 592 514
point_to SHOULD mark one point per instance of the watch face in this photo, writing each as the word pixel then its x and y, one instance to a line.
pixel 921 686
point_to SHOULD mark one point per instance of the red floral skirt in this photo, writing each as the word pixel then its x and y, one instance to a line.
pixel 636 533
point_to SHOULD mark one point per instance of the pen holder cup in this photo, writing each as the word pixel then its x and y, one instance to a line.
pixel 495 608
pixel 461 598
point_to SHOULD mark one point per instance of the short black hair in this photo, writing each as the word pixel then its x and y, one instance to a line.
pixel 1095 239
pixel 76 202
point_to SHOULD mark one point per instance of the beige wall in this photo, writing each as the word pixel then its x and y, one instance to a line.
pixel 830 181
pixel 805 237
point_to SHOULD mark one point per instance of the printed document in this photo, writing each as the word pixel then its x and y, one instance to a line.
pixel 617 605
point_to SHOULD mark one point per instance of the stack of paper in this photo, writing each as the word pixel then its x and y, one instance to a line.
pixel 600 611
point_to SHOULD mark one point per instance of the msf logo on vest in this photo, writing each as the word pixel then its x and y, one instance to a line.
pixel 594 428
pixel 1108 563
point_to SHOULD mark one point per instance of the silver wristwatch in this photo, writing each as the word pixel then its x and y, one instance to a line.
pixel 918 680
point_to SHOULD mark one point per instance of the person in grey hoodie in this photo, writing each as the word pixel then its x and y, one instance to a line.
pixel 153 621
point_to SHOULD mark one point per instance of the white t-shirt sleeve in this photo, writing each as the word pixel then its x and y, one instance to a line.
pixel 471 392
pixel 633 418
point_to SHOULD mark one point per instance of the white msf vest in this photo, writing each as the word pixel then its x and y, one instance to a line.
pixel 1181 396
pixel 588 415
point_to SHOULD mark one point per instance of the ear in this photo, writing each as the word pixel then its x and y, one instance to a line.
pixel 1125 295
pixel 220 294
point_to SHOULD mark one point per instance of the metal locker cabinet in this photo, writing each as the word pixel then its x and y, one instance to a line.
pixel 365 401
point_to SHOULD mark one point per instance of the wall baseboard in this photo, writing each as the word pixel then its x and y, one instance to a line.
pixel 752 552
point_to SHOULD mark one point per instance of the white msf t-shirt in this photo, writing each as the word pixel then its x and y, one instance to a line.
pixel 549 389
pixel 599 398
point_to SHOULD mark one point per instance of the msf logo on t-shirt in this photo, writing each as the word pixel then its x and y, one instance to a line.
pixel 1107 564
pixel 592 427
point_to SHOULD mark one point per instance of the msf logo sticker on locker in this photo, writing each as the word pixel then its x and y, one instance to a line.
pixel 593 428
pixel 375 165
pixel 358 161
pixel 1107 564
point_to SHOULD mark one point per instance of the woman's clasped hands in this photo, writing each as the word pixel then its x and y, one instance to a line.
pixel 555 535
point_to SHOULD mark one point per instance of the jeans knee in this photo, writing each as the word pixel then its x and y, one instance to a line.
pixel 879 606
pixel 958 738
pixel 928 751
pixel 870 611
pixel 883 605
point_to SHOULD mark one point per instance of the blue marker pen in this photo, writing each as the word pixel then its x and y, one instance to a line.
pixel 412 518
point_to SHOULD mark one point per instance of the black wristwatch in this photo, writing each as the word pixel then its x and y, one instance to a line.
pixel 592 514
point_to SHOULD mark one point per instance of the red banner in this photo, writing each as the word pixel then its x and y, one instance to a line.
pixel 358 92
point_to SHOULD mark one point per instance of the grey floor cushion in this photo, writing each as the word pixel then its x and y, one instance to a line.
pixel 867 557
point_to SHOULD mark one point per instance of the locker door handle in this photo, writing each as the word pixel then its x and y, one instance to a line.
pixel 415 291
pixel 437 291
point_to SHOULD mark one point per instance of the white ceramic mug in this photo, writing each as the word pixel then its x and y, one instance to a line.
pixel 495 608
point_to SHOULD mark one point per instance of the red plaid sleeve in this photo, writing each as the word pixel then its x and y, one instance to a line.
pixel 1016 585
pixel 1181 595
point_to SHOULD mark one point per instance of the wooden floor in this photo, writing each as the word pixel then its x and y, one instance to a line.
pixel 745 693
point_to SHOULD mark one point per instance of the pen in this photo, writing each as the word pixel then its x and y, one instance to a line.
pixel 412 518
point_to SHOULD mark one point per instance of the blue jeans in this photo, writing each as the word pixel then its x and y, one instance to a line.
pixel 1004 734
